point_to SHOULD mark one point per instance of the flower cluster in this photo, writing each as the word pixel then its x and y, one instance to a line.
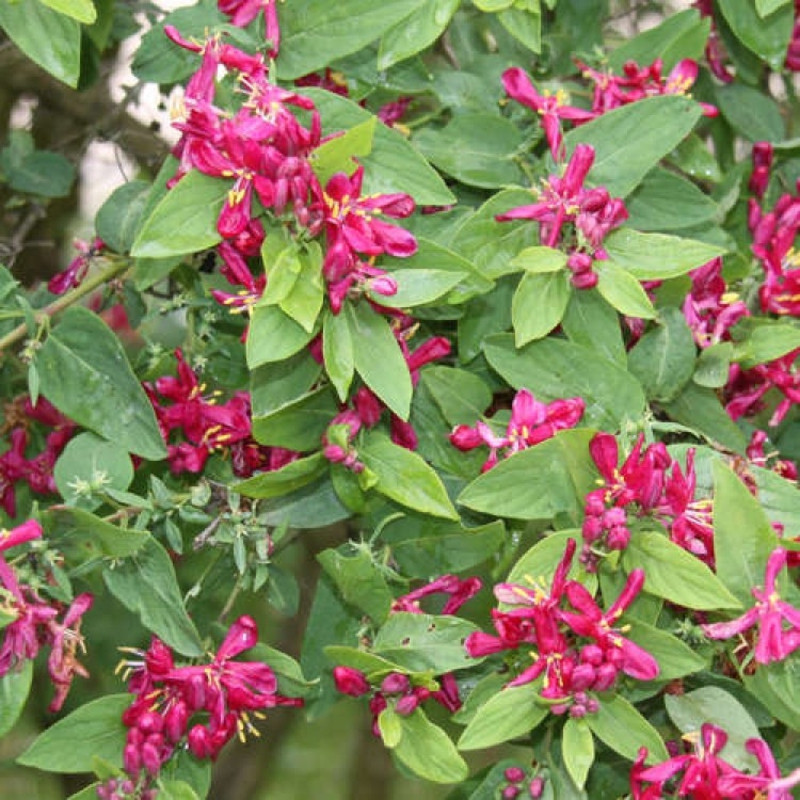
pixel 578 647
pixel 709 308
pixel 648 482
pixel 516 778
pixel 704 775
pixel 267 152
pixel 396 690
pixel 531 422
pixel 36 623
pixel 574 218
pixel 206 426
pixel 201 706
pixel 637 83
pixel 15 466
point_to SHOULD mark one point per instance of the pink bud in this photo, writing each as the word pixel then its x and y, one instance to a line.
pixel 395 683
pixel 514 774
pixel 350 681
pixel 406 705
pixel 537 787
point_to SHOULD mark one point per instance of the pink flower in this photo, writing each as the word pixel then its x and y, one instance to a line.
pixel 551 107
pixel 774 643
pixel 531 422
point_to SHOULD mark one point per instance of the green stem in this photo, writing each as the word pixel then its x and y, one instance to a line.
pixel 70 298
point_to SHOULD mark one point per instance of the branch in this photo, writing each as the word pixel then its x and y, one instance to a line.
pixel 70 298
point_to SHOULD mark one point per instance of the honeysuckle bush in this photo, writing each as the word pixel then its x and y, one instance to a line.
pixel 501 295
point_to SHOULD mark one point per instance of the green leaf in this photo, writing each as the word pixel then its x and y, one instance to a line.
pixel 403 476
pixel 751 113
pixel 424 642
pixel 674 574
pixel 81 10
pixel 274 386
pixel 492 245
pixel 538 483
pixel 279 482
pixel 762 340
pixel 72 744
pixel 743 535
pixel 665 201
pixel 48 38
pixel 461 396
pixel 185 220
pixel 556 369
pixel 656 256
pixel 359 581
pixel 390 728
pixel 700 409
pixel 93 461
pixel 538 564
pixel 394 165
pixel 378 358
pixel 414 33
pixel 445 547
pixel 146 584
pixel 622 291
pixel 303 302
pixel 427 750
pixel 477 149
pixel 298 425
pixel 675 659
pixel 679 36
pixel 337 351
pixel 712 704
pixel 768 38
pixel 417 287
pixel 176 790
pixel 619 725
pixel 525 25
pixel 540 259
pixel 713 365
pixel 83 359
pixel 273 336
pixel 539 304
pixel 337 154
pixel 14 688
pixel 663 359
pixel 42 173
pixel 84 537
pixel 577 750
pixel 509 714
pixel 631 140
pixel 592 322
pixel 316 32
pixel 119 217
pixel 767 7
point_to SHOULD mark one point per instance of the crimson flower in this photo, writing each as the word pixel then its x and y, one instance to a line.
pixel 531 422
pixel 592 622
pixel 774 643
pixel 768 784
pixel 551 107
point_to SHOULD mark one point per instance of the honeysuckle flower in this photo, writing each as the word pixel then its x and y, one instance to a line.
pixel 353 227
pixel 458 591
pixel 762 164
pixel 702 769
pixel 78 268
pixel 591 622
pixel 552 107
pixel 774 642
pixel 768 784
pixel 531 422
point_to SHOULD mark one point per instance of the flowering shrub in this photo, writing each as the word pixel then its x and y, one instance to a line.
pixel 499 298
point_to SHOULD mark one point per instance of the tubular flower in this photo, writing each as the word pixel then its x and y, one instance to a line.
pixel 531 422
pixel 703 770
pixel 551 107
pixel 775 642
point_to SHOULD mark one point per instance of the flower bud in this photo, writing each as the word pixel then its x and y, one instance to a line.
pixel 406 704
pixel 395 683
pixel 350 681
pixel 514 774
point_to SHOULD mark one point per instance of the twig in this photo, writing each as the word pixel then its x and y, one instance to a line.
pixel 88 286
